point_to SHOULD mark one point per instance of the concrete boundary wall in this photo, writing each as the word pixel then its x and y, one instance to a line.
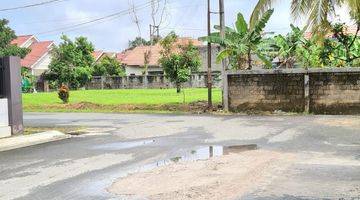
pixel 319 91
pixel 150 81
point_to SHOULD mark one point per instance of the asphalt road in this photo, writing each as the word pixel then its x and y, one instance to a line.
pixel 327 150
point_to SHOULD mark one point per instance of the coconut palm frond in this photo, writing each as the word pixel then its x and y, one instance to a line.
pixel 318 16
pixel 354 6
pixel 300 8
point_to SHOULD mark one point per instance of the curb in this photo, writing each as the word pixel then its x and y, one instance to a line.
pixel 31 140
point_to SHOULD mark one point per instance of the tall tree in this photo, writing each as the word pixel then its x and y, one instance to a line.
pixel 71 62
pixel 138 41
pixel 317 12
pixel 242 42
pixel 180 61
pixel 6 36
pixel 108 67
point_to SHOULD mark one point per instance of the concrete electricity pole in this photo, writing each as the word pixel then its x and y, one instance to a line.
pixel 209 74
pixel 224 62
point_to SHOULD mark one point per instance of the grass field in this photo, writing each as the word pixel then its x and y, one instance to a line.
pixel 117 100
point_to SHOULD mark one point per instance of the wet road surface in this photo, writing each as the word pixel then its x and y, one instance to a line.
pixel 327 150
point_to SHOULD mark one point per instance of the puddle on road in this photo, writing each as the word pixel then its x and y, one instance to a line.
pixel 202 153
pixel 123 145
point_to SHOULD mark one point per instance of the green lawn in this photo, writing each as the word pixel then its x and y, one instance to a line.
pixel 108 98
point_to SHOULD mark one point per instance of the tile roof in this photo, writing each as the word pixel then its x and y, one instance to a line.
pixel 135 57
pixel 97 55
pixel 121 56
pixel 38 50
pixel 20 40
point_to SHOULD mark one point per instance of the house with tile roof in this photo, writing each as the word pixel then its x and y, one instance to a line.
pixel 134 59
pixel 39 57
pixel 99 54
pixel 24 41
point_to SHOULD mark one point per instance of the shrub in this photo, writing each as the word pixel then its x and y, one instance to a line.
pixel 64 93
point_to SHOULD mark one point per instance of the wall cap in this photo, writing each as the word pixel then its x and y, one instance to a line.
pixel 294 71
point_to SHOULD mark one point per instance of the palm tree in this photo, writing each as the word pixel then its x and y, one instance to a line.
pixel 317 12
pixel 241 42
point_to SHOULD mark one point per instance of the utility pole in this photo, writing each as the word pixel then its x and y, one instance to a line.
pixel 154 33
pixel 209 74
pixel 224 62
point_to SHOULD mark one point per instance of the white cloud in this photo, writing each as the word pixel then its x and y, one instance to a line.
pixel 188 18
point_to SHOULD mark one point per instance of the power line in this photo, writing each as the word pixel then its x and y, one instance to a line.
pixel 71 19
pixel 31 5
pixel 107 17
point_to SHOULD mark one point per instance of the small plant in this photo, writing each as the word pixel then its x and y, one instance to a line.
pixel 64 93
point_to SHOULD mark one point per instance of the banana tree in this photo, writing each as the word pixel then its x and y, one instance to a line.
pixel 288 45
pixel 241 42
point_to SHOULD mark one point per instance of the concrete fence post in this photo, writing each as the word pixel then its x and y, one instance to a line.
pixel 225 91
pixel 102 82
pixel 306 93
pixel 145 78
pixel 12 86
pixel 46 86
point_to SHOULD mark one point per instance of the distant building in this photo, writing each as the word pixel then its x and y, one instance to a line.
pixel 134 60
pixel 98 55
pixel 39 58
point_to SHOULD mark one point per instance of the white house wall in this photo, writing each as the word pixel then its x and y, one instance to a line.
pixel 138 71
pixel 29 42
pixel 42 65
pixel 133 70
pixel 5 130
pixel 204 55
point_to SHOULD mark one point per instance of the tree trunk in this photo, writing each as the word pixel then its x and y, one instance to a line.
pixel 178 87
pixel 249 59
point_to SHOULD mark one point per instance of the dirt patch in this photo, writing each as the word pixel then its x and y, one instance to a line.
pixel 64 129
pixel 226 177
pixel 350 122
pixel 194 107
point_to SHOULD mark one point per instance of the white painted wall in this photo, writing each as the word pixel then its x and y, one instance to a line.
pixel 138 71
pixel 129 70
pixel 203 54
pixel 42 65
pixel 4 118
pixel 29 42
pixel 5 130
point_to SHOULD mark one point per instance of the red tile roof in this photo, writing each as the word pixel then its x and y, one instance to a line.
pixel 38 50
pixel 135 57
pixel 97 55
pixel 20 40
pixel 121 56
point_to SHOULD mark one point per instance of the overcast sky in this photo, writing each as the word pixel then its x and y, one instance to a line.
pixel 185 17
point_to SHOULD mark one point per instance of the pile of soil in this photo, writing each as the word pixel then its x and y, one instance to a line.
pixel 227 177
pixel 194 107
